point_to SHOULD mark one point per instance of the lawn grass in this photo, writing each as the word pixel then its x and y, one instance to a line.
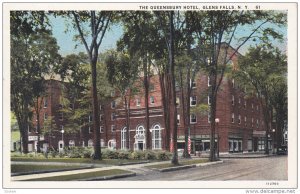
pixel 196 161
pixel 76 160
pixel 161 166
pixel 23 168
pixel 181 163
pixel 87 175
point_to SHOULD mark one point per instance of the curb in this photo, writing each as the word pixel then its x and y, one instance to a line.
pixel 103 178
pixel 209 163
pixel 49 171
pixel 243 157
pixel 176 168
pixel 133 163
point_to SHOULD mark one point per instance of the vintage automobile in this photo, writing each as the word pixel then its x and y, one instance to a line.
pixel 282 150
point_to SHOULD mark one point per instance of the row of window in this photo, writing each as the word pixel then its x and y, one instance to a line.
pixel 113 129
pixel 245 120
pixel 245 103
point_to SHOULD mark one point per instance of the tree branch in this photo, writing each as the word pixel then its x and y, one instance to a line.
pixel 80 32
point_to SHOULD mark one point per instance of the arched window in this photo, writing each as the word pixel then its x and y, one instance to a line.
pixel 71 143
pixel 140 141
pixel 90 143
pixel 111 144
pixel 156 137
pixel 102 143
pixel 140 130
pixel 123 138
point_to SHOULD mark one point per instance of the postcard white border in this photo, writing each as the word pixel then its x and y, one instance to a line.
pixel 292 99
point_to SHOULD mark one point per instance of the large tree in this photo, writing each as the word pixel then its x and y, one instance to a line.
pixel 215 32
pixel 122 73
pixel 34 53
pixel 265 68
pixel 97 22
pixel 140 38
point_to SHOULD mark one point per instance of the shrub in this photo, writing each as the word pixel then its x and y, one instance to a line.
pixel 123 155
pixel 53 153
pixel 61 154
pixel 109 154
pixel 75 152
pixel 150 155
pixel 163 155
pixel 87 153
pixel 137 155
pixel 31 155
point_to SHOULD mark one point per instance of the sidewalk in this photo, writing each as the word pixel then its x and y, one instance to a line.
pixel 135 168
pixel 98 168
pixel 237 155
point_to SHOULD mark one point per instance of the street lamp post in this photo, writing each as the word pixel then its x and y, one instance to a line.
pixel 217 122
pixel 273 130
pixel 62 138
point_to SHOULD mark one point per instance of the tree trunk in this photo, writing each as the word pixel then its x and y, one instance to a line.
pixel 38 128
pixel 173 109
pixel 162 78
pixel 127 112
pixel 96 124
pixel 146 87
pixel 23 124
pixel 213 108
pixel 186 113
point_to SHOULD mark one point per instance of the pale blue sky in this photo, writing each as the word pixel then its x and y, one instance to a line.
pixel 67 43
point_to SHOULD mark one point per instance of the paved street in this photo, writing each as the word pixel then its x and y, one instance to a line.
pixel 267 168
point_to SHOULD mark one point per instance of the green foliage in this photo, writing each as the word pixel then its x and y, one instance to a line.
pixel 150 155
pixel 34 54
pixel 53 153
pixel 123 155
pixel 163 155
pixel 110 154
pixel 137 155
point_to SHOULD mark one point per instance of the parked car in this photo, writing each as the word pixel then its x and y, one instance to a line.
pixel 282 150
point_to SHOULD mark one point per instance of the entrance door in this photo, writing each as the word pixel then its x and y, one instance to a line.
pixel 140 145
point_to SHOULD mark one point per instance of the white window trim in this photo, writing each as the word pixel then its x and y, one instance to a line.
pixel 191 84
pixel 113 128
pixel 177 102
pixel 45 100
pixel 159 139
pixel 208 100
pixel 71 143
pixel 45 116
pixel 138 102
pixel 193 122
pixel 178 119
pixel 191 100
pixel 152 97
pixel 113 104
pixel 240 120
pixel 101 129
pixel 113 116
pixel 208 81
pixel 123 138
pixel 232 118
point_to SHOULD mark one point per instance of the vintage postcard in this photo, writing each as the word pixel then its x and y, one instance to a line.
pixel 150 95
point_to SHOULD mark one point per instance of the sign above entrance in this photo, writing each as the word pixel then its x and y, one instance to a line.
pixel 259 132
pixel 32 138
pixel 139 136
